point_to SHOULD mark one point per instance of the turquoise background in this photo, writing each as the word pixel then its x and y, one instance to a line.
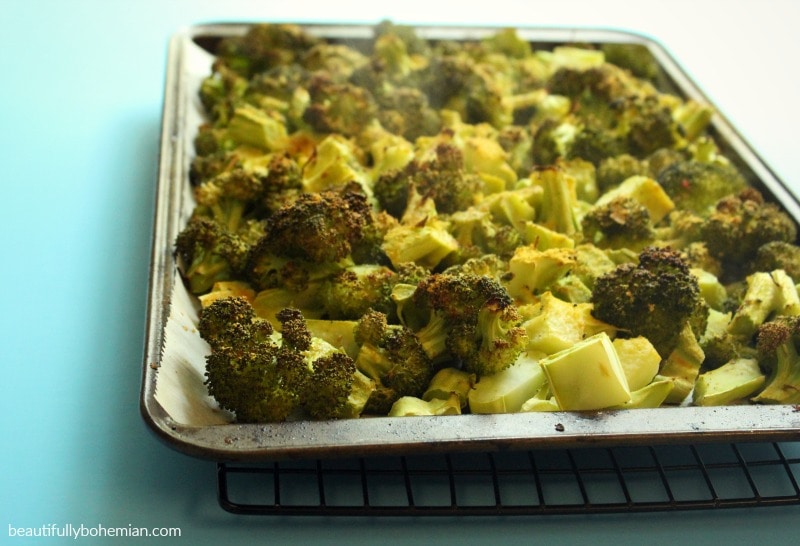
pixel 80 110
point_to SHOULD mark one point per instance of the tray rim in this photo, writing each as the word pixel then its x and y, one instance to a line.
pixel 408 435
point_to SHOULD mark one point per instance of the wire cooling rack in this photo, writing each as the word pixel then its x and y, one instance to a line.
pixel 554 481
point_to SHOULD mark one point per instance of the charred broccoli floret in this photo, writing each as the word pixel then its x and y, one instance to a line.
pixel 393 357
pixel 357 289
pixel 211 253
pixel 264 376
pixel 621 223
pixel 655 298
pixel 338 107
pixel 740 224
pixel 472 320
pixel 229 198
pixel 778 255
pixel 320 228
pixel 777 342
pixel 265 46
pixel 442 178
pixel 697 186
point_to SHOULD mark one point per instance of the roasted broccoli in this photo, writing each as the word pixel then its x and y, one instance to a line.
pixel 740 224
pixel 471 320
pixel 696 186
pixel 777 342
pixel 621 223
pixel 654 298
pixel 393 357
pixel 265 376
pixel 365 217
pixel 211 254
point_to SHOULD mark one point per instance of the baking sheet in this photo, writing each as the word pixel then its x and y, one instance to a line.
pixel 175 403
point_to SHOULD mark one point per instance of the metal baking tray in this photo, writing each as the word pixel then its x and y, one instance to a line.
pixel 175 404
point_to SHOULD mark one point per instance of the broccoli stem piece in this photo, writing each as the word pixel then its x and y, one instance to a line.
pixel 732 381
pixel 408 406
pixel 587 376
pixel 449 381
pixel 506 390
pixel 682 366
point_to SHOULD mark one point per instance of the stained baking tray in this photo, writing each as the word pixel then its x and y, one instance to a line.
pixel 174 401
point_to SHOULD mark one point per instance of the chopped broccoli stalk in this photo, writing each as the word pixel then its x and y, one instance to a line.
pixel 711 289
pixel 544 238
pixel 449 381
pixel 333 164
pixel 541 402
pixel 639 360
pixel 682 366
pixel 425 245
pixel 408 406
pixel 560 200
pixel 506 390
pixel 645 191
pixel 735 380
pixel 768 293
pixel 587 376
pixel 252 126
pixel 534 271
pixel 652 395
pixel 555 325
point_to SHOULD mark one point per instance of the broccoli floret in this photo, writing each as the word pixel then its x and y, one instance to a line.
pixel 740 224
pixel 356 289
pixel 335 107
pixel 654 298
pixel 211 253
pixel 229 198
pixel 264 376
pixel 393 357
pixel 405 111
pixel 477 235
pixel 443 179
pixel 282 183
pixel 776 343
pixel 621 223
pixel 635 57
pixel 265 46
pixel 697 186
pixel 778 255
pixel 321 228
pixel 220 92
pixel 472 320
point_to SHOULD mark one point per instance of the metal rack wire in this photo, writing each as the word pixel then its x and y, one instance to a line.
pixel 564 481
